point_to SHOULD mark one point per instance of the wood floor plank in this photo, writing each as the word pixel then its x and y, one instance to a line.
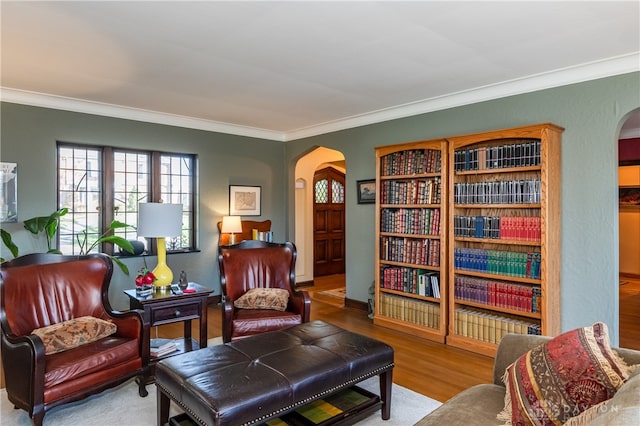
pixel 436 370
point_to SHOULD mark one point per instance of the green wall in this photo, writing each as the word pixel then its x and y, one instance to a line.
pixel 29 136
pixel 591 113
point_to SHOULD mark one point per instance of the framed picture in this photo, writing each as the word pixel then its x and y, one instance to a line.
pixel 244 200
pixel 9 192
pixel 366 191
pixel 629 196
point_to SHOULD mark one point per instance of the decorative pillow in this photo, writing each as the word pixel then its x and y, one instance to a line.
pixel 73 333
pixel 562 378
pixel 263 298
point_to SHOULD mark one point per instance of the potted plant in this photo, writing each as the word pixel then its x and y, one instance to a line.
pixel 49 226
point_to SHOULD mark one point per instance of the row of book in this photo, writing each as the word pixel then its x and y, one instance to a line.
pixel 411 280
pixel 415 311
pixel 489 327
pixel 522 154
pixel 414 191
pixel 410 250
pixel 498 262
pixel 159 347
pixel 519 228
pixel 520 191
pixel 262 235
pixel 410 221
pixel 411 162
pixel 518 297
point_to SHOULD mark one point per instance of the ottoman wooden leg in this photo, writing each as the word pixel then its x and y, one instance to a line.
pixel 163 403
pixel 386 383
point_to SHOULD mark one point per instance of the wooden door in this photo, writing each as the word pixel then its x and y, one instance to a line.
pixel 328 222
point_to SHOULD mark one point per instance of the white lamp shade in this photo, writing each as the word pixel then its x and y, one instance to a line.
pixel 231 224
pixel 159 220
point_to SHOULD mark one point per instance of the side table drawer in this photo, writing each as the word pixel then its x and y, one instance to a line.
pixel 175 313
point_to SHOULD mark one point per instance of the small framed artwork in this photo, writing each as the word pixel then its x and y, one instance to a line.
pixel 366 191
pixel 8 192
pixel 629 196
pixel 244 200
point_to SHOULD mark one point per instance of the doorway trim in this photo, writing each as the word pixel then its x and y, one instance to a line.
pixel 304 170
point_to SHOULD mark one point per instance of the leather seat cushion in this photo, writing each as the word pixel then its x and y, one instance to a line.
pixel 88 358
pixel 251 379
pixel 248 322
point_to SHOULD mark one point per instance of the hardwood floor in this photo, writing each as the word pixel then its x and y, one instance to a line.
pixel 630 313
pixel 432 369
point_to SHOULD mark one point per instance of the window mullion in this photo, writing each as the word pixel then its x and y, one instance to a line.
pixel 107 215
pixel 156 194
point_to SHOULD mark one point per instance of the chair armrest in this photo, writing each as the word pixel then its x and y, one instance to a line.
pixel 23 359
pixel 301 303
pixel 510 348
pixel 227 320
pixel 132 324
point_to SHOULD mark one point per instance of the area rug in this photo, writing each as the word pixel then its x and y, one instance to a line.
pixel 122 405
pixel 339 293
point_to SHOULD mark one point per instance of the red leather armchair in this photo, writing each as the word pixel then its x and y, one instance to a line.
pixel 259 264
pixel 39 290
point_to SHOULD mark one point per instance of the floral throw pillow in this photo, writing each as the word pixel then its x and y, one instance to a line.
pixel 73 333
pixel 263 298
pixel 562 378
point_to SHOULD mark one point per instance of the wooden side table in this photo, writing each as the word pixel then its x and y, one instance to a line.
pixel 167 307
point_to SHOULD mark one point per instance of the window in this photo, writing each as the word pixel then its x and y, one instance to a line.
pixel 102 184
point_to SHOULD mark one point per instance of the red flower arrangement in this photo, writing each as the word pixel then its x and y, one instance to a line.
pixel 145 277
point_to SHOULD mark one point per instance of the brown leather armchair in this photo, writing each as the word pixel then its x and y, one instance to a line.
pixel 259 264
pixel 39 290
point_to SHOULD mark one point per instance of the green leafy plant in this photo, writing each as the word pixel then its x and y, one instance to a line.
pixel 85 247
pixel 49 226
pixel 8 242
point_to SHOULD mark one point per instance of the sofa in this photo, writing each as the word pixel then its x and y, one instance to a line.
pixel 481 404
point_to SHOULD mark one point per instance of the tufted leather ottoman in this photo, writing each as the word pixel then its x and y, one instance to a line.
pixel 257 378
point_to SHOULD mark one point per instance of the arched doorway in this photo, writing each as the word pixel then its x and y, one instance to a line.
pixel 629 231
pixel 305 168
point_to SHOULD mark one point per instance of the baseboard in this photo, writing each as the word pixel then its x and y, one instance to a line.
pixel 305 284
pixel 356 304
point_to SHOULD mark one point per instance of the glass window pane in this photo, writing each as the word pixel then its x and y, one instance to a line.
pixel 337 192
pixel 79 184
pixel 322 191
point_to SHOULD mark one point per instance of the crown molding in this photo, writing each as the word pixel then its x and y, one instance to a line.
pixel 591 71
pixel 576 74
pixel 109 110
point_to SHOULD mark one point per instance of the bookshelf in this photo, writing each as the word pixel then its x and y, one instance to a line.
pixel 411 220
pixel 504 235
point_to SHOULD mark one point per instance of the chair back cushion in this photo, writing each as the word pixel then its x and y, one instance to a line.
pixel 36 295
pixel 247 230
pixel 256 264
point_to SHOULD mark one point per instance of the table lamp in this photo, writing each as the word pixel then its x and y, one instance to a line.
pixel 160 221
pixel 231 225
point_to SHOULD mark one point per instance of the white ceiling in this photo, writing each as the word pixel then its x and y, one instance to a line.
pixel 286 70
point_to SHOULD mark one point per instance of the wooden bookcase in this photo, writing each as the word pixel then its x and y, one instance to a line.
pixel 411 224
pixel 504 235
pixel 481 213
